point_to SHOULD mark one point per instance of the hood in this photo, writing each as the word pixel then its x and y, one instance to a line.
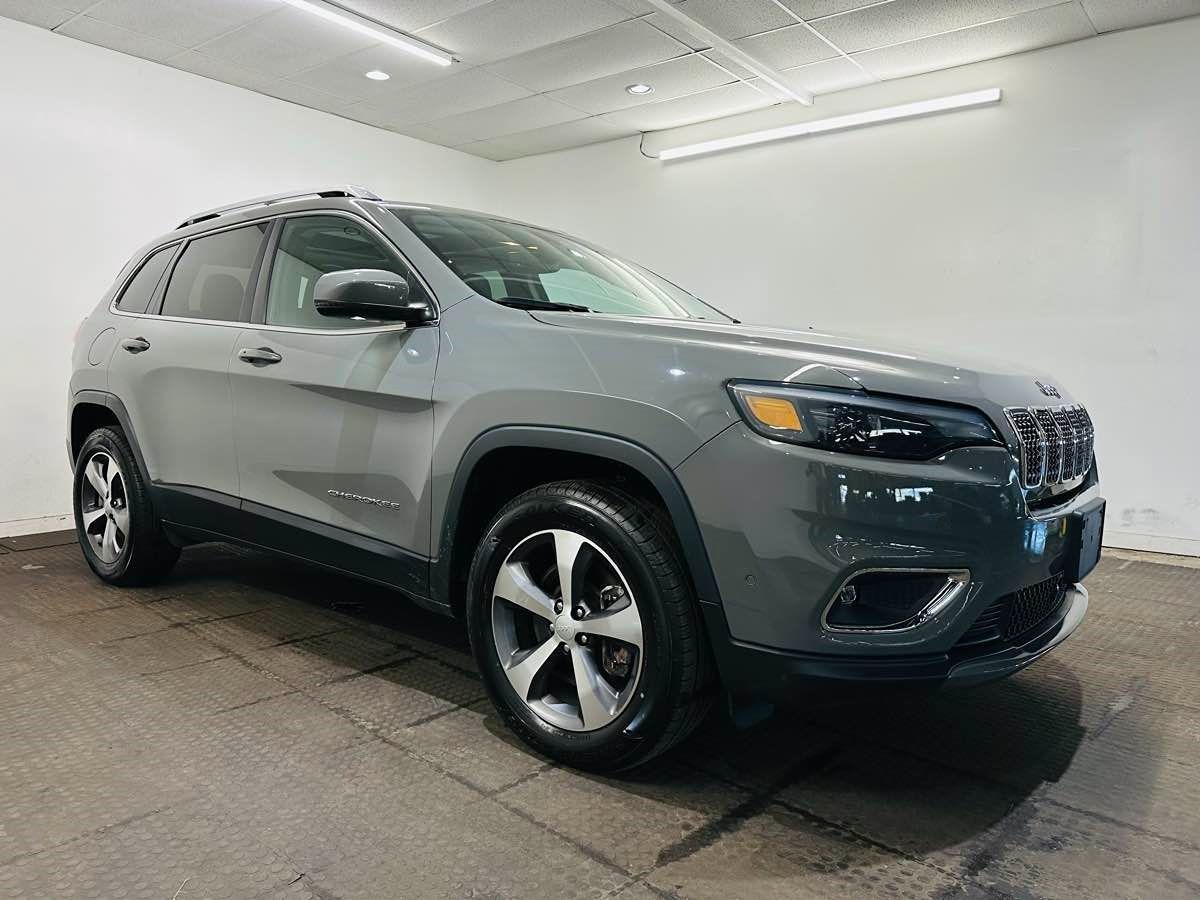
pixel 832 360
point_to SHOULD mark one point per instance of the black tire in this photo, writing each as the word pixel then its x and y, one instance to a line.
pixel 677 677
pixel 146 554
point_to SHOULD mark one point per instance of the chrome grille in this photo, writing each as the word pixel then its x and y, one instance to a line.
pixel 1056 443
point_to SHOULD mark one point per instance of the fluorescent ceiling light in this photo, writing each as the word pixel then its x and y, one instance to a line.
pixel 365 26
pixel 837 123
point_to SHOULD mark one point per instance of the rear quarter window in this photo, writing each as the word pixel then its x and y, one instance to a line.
pixel 136 296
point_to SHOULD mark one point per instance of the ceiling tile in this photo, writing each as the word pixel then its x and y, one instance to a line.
pixel 827 76
pixel 546 140
pixel 908 20
pixel 730 65
pixel 732 20
pixel 1040 28
pixel 815 9
pixel 220 70
pixel 346 75
pixel 285 42
pixel 721 101
pixel 794 46
pixel 1109 15
pixel 410 15
pixel 105 35
pixel 507 118
pixel 504 28
pixel 183 22
pixel 667 25
pixel 637 7
pixel 469 90
pixel 606 51
pixel 675 78
pixel 35 12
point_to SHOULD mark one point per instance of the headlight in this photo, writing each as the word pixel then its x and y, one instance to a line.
pixel 857 422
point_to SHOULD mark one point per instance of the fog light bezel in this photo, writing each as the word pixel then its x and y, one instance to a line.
pixel 956 585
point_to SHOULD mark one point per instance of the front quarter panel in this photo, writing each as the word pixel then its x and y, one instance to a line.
pixel 502 367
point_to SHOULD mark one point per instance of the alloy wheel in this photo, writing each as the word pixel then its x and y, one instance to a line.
pixel 104 505
pixel 567 630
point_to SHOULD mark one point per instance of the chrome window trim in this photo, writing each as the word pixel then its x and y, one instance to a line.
pixel 957 582
pixel 263 326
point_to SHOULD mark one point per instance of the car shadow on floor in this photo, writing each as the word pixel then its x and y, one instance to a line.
pixel 917 772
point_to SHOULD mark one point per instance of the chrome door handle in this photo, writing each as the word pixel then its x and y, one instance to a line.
pixel 261 356
pixel 135 345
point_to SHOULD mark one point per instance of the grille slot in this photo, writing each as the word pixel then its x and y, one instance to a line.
pixel 1032 456
pixel 1056 443
pixel 1053 445
pixel 1063 421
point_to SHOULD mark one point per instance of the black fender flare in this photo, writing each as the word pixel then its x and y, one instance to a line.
pixel 113 403
pixel 605 446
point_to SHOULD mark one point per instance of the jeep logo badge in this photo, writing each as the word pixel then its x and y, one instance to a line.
pixel 1048 389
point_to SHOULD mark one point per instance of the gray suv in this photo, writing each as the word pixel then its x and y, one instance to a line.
pixel 635 501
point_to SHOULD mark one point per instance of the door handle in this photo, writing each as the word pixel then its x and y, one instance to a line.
pixel 261 356
pixel 135 345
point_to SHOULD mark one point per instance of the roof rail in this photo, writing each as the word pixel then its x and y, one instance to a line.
pixel 341 190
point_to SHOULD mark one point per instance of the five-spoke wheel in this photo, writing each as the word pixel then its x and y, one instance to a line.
pixel 104 504
pixel 567 630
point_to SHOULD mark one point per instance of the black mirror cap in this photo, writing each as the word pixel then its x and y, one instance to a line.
pixel 369 294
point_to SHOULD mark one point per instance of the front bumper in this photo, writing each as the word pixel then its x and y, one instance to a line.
pixel 762 671
pixel 785 526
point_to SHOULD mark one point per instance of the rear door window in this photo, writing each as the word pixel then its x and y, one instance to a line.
pixel 136 296
pixel 212 278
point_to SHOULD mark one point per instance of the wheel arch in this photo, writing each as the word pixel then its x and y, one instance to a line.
pixel 95 409
pixel 504 461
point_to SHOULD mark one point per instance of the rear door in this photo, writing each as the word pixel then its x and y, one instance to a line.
pixel 171 365
pixel 334 417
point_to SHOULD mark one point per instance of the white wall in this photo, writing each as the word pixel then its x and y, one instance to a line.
pixel 1060 228
pixel 100 152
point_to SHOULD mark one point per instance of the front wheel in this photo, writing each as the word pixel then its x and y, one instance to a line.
pixel 584 626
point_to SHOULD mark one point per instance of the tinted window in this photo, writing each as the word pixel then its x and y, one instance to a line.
pixel 501 259
pixel 141 288
pixel 211 278
pixel 310 246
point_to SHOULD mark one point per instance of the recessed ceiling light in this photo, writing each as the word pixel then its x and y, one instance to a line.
pixel 376 75
pixel 639 89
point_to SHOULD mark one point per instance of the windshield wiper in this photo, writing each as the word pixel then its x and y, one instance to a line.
pixel 530 303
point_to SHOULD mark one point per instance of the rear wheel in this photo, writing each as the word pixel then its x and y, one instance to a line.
pixel 119 533
pixel 584 626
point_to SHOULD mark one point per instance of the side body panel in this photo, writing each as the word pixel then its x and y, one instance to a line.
pixel 345 412
pixel 178 397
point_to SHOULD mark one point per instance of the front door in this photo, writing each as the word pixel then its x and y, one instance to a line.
pixel 171 367
pixel 333 417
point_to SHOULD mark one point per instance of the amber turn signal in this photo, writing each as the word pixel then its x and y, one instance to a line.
pixel 774 412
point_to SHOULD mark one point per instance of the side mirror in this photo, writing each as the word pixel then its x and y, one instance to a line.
pixel 368 294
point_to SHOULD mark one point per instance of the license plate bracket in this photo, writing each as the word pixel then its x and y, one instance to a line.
pixel 1086 530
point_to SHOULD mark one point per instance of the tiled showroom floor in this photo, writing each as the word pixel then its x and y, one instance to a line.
pixel 252 727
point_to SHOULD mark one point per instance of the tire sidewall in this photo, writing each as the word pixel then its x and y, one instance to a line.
pixel 649 709
pixel 103 440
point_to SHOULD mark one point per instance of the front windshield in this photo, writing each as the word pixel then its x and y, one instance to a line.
pixel 518 264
